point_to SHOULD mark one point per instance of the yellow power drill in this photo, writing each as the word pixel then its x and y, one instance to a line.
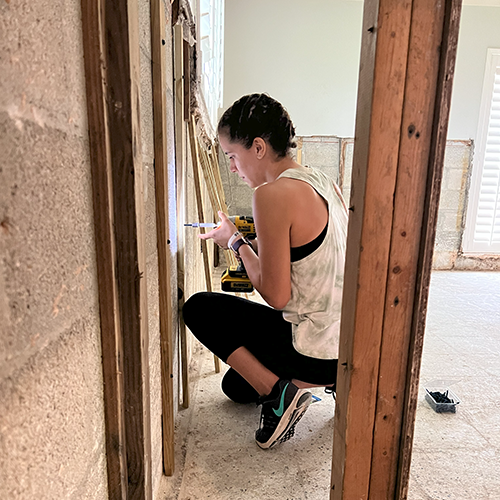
pixel 235 278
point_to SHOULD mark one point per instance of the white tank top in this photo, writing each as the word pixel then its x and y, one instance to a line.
pixel 317 280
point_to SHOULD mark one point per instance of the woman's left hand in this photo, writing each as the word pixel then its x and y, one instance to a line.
pixel 221 234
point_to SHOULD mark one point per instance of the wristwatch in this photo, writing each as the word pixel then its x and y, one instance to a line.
pixel 235 247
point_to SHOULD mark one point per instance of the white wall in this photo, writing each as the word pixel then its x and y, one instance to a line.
pixel 306 55
pixel 303 53
pixel 479 29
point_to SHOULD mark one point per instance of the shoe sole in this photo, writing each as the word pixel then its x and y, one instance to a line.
pixel 292 415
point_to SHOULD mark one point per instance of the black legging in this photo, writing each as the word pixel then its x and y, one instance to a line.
pixel 223 323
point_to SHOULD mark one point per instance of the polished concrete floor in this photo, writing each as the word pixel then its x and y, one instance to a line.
pixel 455 456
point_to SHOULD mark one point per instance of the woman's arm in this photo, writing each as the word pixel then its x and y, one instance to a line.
pixel 269 271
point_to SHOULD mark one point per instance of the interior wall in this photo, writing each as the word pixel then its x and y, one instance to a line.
pixel 52 428
pixel 279 47
pixel 479 30
pixel 52 442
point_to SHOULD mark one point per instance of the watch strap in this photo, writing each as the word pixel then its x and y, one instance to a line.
pixel 235 247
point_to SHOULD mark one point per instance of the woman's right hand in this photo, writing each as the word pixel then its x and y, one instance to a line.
pixel 221 234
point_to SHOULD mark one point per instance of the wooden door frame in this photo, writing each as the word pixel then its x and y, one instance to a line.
pixel 406 72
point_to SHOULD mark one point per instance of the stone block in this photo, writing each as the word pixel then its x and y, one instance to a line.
pixel 449 221
pixel 443 260
pixel 447 241
pixel 48 249
pixel 454 179
pixel 52 421
pixel 321 154
pixel 450 200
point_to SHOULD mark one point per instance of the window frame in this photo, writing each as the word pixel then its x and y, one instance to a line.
pixel 469 245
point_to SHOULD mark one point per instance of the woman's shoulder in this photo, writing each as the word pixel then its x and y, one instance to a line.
pixel 283 188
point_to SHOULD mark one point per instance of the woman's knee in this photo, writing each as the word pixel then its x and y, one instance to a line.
pixel 195 308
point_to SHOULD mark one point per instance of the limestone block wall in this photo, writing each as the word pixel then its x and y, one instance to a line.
pixel 52 442
pixel 52 429
pixel 334 156
pixel 238 194
pixel 452 203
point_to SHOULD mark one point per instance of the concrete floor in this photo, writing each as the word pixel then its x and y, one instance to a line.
pixel 455 456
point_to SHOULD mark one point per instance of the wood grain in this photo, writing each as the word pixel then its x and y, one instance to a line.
pixel 390 241
pixel 158 37
pixel 180 169
pixel 93 28
pixel 112 70
pixel 123 77
pixel 448 53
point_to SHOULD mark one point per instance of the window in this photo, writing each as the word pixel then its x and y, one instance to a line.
pixel 212 54
pixel 482 232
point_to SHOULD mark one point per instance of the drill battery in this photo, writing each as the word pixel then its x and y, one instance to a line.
pixel 235 279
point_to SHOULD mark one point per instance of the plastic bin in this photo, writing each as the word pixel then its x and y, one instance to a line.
pixel 437 399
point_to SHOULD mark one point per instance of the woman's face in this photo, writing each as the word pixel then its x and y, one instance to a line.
pixel 242 161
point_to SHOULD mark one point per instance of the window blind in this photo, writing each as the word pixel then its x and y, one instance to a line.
pixel 487 228
pixel 482 232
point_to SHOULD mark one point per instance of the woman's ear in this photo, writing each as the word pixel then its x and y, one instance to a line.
pixel 260 147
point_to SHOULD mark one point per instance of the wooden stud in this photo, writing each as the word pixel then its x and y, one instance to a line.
pixel 418 108
pixel 180 164
pixel 199 201
pixel 187 60
pixel 113 80
pixel 195 158
pixel 387 230
pixel 214 164
pixel 210 168
pixel 125 147
pixel 449 44
pixel 100 159
pixel 158 38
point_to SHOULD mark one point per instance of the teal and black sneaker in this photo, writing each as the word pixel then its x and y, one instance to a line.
pixel 281 411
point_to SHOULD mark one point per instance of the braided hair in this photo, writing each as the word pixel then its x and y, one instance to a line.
pixel 259 115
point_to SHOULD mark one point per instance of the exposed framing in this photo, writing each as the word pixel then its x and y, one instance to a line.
pixel 180 163
pixel 110 38
pixel 406 71
pixel 158 49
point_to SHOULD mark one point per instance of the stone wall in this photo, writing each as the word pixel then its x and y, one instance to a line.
pixel 52 442
pixel 52 428
pixel 334 156
pixel 452 203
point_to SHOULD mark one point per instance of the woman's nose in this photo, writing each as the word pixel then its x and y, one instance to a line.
pixel 232 167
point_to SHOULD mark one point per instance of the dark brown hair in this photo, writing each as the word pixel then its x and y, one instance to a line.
pixel 259 115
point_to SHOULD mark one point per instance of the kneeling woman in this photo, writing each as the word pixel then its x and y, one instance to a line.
pixel 276 353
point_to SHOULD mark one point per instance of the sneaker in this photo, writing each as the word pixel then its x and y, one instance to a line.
pixel 281 413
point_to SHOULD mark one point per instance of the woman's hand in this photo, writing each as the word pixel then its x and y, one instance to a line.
pixel 221 234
